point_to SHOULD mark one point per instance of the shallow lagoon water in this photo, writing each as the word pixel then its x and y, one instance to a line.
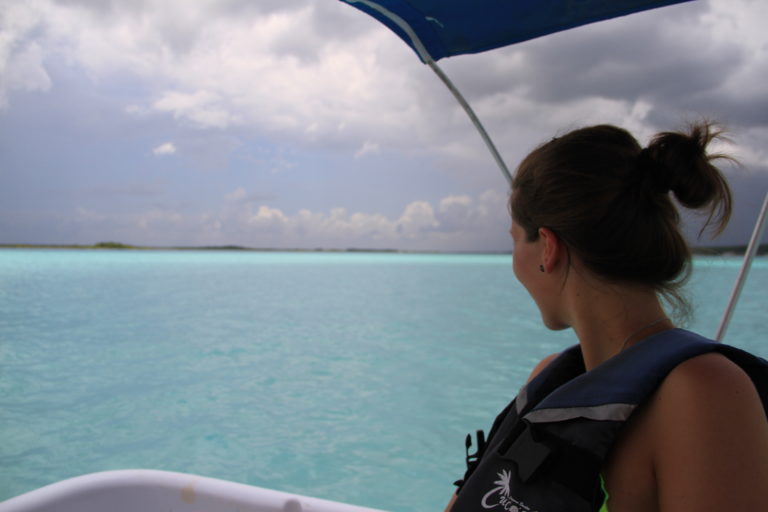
pixel 347 376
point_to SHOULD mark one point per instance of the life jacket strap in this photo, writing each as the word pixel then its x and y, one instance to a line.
pixel 538 454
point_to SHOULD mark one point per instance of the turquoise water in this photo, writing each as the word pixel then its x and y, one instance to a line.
pixel 347 376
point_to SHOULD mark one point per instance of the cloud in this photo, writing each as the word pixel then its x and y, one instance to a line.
pixel 273 96
pixel 368 147
pixel 21 57
pixel 167 148
pixel 278 69
pixel 457 212
pixel 648 72
pixel 459 223
pixel 324 73
pixel 417 220
pixel 203 108
pixel 240 196
pixel 237 195
pixel 420 226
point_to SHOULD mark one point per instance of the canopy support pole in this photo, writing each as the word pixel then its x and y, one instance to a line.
pixel 749 255
pixel 488 142
pixel 429 61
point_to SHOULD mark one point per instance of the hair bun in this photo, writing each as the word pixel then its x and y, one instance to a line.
pixel 652 169
pixel 681 164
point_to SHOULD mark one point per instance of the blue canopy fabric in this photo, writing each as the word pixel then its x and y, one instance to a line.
pixel 442 28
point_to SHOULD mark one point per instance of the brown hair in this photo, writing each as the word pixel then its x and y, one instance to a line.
pixel 608 199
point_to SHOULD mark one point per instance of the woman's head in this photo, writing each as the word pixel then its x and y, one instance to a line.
pixel 609 200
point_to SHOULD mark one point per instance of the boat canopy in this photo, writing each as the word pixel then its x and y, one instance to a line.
pixel 442 28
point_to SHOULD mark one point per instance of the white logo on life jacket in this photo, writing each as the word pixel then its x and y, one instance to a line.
pixel 501 496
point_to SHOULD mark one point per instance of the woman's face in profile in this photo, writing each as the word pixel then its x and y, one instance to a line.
pixel 527 258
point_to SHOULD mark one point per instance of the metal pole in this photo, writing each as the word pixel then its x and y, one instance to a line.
pixel 488 142
pixel 749 255
pixel 427 59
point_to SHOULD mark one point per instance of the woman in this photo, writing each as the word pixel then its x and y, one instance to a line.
pixel 640 416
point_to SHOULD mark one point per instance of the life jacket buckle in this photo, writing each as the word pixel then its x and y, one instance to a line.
pixel 474 458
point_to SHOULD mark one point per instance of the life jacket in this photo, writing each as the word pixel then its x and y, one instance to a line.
pixel 546 450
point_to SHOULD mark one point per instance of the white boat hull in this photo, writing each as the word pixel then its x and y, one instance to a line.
pixel 143 490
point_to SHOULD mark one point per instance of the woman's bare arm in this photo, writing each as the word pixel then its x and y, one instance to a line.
pixel 710 438
pixel 450 503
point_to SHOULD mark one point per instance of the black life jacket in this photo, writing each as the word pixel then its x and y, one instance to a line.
pixel 545 451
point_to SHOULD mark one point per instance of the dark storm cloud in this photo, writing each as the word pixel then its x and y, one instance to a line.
pixel 749 189
pixel 667 58
pixel 310 116
pixel 743 108
pixel 627 66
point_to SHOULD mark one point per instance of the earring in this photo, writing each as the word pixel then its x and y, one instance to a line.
pixel 541 268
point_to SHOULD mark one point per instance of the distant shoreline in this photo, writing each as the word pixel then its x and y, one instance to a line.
pixel 735 250
pixel 115 246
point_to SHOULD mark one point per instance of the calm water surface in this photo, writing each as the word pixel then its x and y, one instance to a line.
pixel 352 377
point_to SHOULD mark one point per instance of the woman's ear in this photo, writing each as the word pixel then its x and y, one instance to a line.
pixel 552 249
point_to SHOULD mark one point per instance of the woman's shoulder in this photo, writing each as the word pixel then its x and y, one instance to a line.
pixel 708 425
pixel 707 395
pixel 541 365
pixel 708 379
pixel 699 443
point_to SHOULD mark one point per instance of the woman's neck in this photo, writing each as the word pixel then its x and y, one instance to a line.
pixel 610 318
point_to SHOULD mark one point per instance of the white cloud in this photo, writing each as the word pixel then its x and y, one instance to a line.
pixel 417 219
pixel 269 220
pixel 323 72
pixel 236 195
pixel 368 147
pixel 751 148
pixel 25 69
pixel 217 69
pixel 309 77
pixel 205 109
pixel 167 148
pixel 456 212
pixel 21 59
pixel 418 227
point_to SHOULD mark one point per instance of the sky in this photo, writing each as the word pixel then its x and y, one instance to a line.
pixel 306 124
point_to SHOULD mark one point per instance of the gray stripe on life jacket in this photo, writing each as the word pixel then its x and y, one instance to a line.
pixel 607 412
pixel 522 399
